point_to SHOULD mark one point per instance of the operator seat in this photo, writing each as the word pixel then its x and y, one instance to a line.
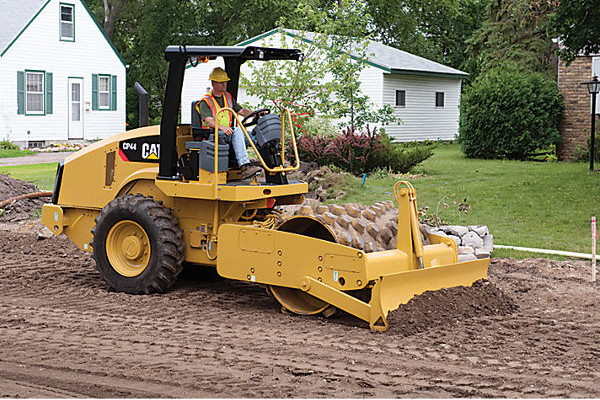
pixel 198 132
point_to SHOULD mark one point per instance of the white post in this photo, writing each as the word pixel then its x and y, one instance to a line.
pixel 594 238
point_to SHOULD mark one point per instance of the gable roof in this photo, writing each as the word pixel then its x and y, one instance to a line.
pixel 386 58
pixel 16 16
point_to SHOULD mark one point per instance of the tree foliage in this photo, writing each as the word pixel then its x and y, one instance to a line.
pixel 516 31
pixel 436 30
pixel 577 24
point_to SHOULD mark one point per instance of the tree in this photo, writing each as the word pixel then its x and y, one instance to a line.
pixel 436 30
pixel 516 31
pixel 326 80
pixel 577 24
pixel 142 29
pixel 227 22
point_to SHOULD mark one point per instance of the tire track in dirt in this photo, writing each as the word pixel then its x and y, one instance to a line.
pixel 210 337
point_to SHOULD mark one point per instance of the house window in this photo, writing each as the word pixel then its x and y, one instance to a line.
pixel 104 92
pixel 400 98
pixel 439 99
pixel 34 92
pixel 67 22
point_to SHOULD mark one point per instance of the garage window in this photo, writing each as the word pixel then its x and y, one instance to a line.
pixel 400 98
pixel 439 99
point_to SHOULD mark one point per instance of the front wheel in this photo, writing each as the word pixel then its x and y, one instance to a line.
pixel 138 245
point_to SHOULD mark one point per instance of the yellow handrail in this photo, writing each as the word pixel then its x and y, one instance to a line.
pixel 281 168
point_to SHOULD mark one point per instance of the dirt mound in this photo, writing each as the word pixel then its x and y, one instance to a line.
pixel 22 209
pixel 447 306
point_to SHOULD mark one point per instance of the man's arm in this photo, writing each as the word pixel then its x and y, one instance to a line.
pixel 244 112
pixel 210 122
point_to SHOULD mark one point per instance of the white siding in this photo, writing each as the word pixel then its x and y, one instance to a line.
pixel 421 119
pixel 371 85
pixel 39 48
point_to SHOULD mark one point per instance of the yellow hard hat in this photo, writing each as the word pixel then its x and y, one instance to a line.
pixel 218 75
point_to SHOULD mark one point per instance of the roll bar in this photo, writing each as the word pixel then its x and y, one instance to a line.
pixel 178 57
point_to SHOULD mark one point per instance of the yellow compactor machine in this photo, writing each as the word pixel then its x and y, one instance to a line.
pixel 147 200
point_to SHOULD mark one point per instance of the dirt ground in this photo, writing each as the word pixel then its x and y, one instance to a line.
pixel 531 331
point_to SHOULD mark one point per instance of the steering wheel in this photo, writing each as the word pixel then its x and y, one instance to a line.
pixel 256 116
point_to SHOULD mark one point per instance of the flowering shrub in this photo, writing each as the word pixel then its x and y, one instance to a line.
pixel 360 152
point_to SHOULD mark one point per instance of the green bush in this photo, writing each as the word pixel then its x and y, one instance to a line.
pixel 6 145
pixel 583 154
pixel 401 157
pixel 360 152
pixel 509 113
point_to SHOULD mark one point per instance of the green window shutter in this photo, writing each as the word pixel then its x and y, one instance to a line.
pixel 20 92
pixel 48 93
pixel 113 94
pixel 94 91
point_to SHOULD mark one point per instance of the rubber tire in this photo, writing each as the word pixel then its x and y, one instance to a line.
pixel 165 240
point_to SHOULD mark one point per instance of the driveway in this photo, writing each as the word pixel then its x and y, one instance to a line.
pixel 37 158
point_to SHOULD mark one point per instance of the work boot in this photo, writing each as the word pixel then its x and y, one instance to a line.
pixel 249 170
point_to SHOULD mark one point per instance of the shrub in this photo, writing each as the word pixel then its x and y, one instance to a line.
pixel 402 157
pixel 583 154
pixel 6 145
pixel 509 113
pixel 360 152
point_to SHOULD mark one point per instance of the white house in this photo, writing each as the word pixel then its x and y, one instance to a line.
pixel 424 94
pixel 60 77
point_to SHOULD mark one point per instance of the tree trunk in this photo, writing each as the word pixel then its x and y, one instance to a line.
pixel 112 9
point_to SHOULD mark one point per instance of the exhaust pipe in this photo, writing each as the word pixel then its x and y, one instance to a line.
pixel 143 104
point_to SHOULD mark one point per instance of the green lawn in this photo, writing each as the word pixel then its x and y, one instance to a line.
pixel 41 175
pixel 530 204
pixel 4 153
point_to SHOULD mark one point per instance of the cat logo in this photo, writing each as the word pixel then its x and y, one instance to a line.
pixel 150 151
pixel 142 149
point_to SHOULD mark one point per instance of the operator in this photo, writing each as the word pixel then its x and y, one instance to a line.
pixel 208 107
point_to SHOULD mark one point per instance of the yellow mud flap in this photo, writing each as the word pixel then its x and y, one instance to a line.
pixel 391 291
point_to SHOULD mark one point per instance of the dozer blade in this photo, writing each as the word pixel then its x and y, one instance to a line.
pixel 314 272
pixel 391 291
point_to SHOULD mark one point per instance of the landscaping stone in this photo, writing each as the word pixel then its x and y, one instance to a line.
pixel 482 253
pixel 472 239
pixel 474 242
pixel 465 250
pixel 481 230
pixel 455 238
pixel 488 243
pixel 457 230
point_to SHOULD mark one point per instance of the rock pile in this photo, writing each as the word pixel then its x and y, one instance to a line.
pixel 473 241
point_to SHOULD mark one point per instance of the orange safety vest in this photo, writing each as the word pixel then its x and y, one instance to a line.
pixel 225 118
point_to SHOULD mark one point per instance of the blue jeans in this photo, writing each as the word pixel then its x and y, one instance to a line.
pixel 239 142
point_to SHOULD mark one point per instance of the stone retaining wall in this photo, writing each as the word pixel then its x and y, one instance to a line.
pixel 474 242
